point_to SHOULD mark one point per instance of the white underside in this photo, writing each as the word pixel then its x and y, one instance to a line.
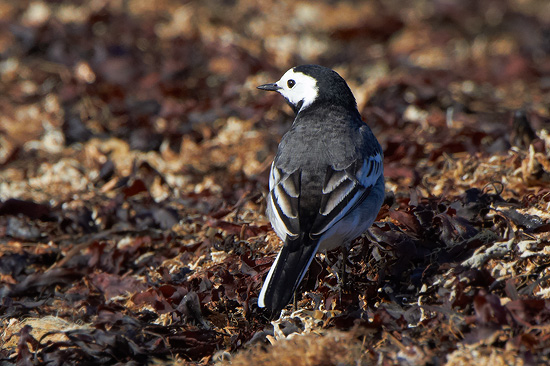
pixel 356 222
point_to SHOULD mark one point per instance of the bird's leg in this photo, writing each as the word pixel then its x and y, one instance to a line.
pixel 295 302
pixel 343 270
pixel 341 273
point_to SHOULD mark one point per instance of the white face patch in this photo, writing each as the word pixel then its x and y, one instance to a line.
pixel 296 87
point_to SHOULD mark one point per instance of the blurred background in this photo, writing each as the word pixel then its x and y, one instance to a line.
pixel 165 75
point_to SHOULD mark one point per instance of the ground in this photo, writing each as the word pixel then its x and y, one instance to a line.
pixel 134 160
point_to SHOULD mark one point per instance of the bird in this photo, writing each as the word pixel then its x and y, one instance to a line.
pixel 326 183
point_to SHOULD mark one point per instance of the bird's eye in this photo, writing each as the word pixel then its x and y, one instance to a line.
pixel 291 83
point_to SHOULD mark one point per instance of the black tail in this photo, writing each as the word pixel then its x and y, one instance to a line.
pixel 286 273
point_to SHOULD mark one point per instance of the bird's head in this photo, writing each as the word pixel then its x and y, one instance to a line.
pixel 305 85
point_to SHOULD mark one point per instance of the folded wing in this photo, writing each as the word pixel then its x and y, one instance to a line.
pixel 342 191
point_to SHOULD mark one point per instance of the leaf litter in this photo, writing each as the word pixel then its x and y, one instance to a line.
pixel 134 158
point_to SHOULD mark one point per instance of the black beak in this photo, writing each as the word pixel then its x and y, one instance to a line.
pixel 270 87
